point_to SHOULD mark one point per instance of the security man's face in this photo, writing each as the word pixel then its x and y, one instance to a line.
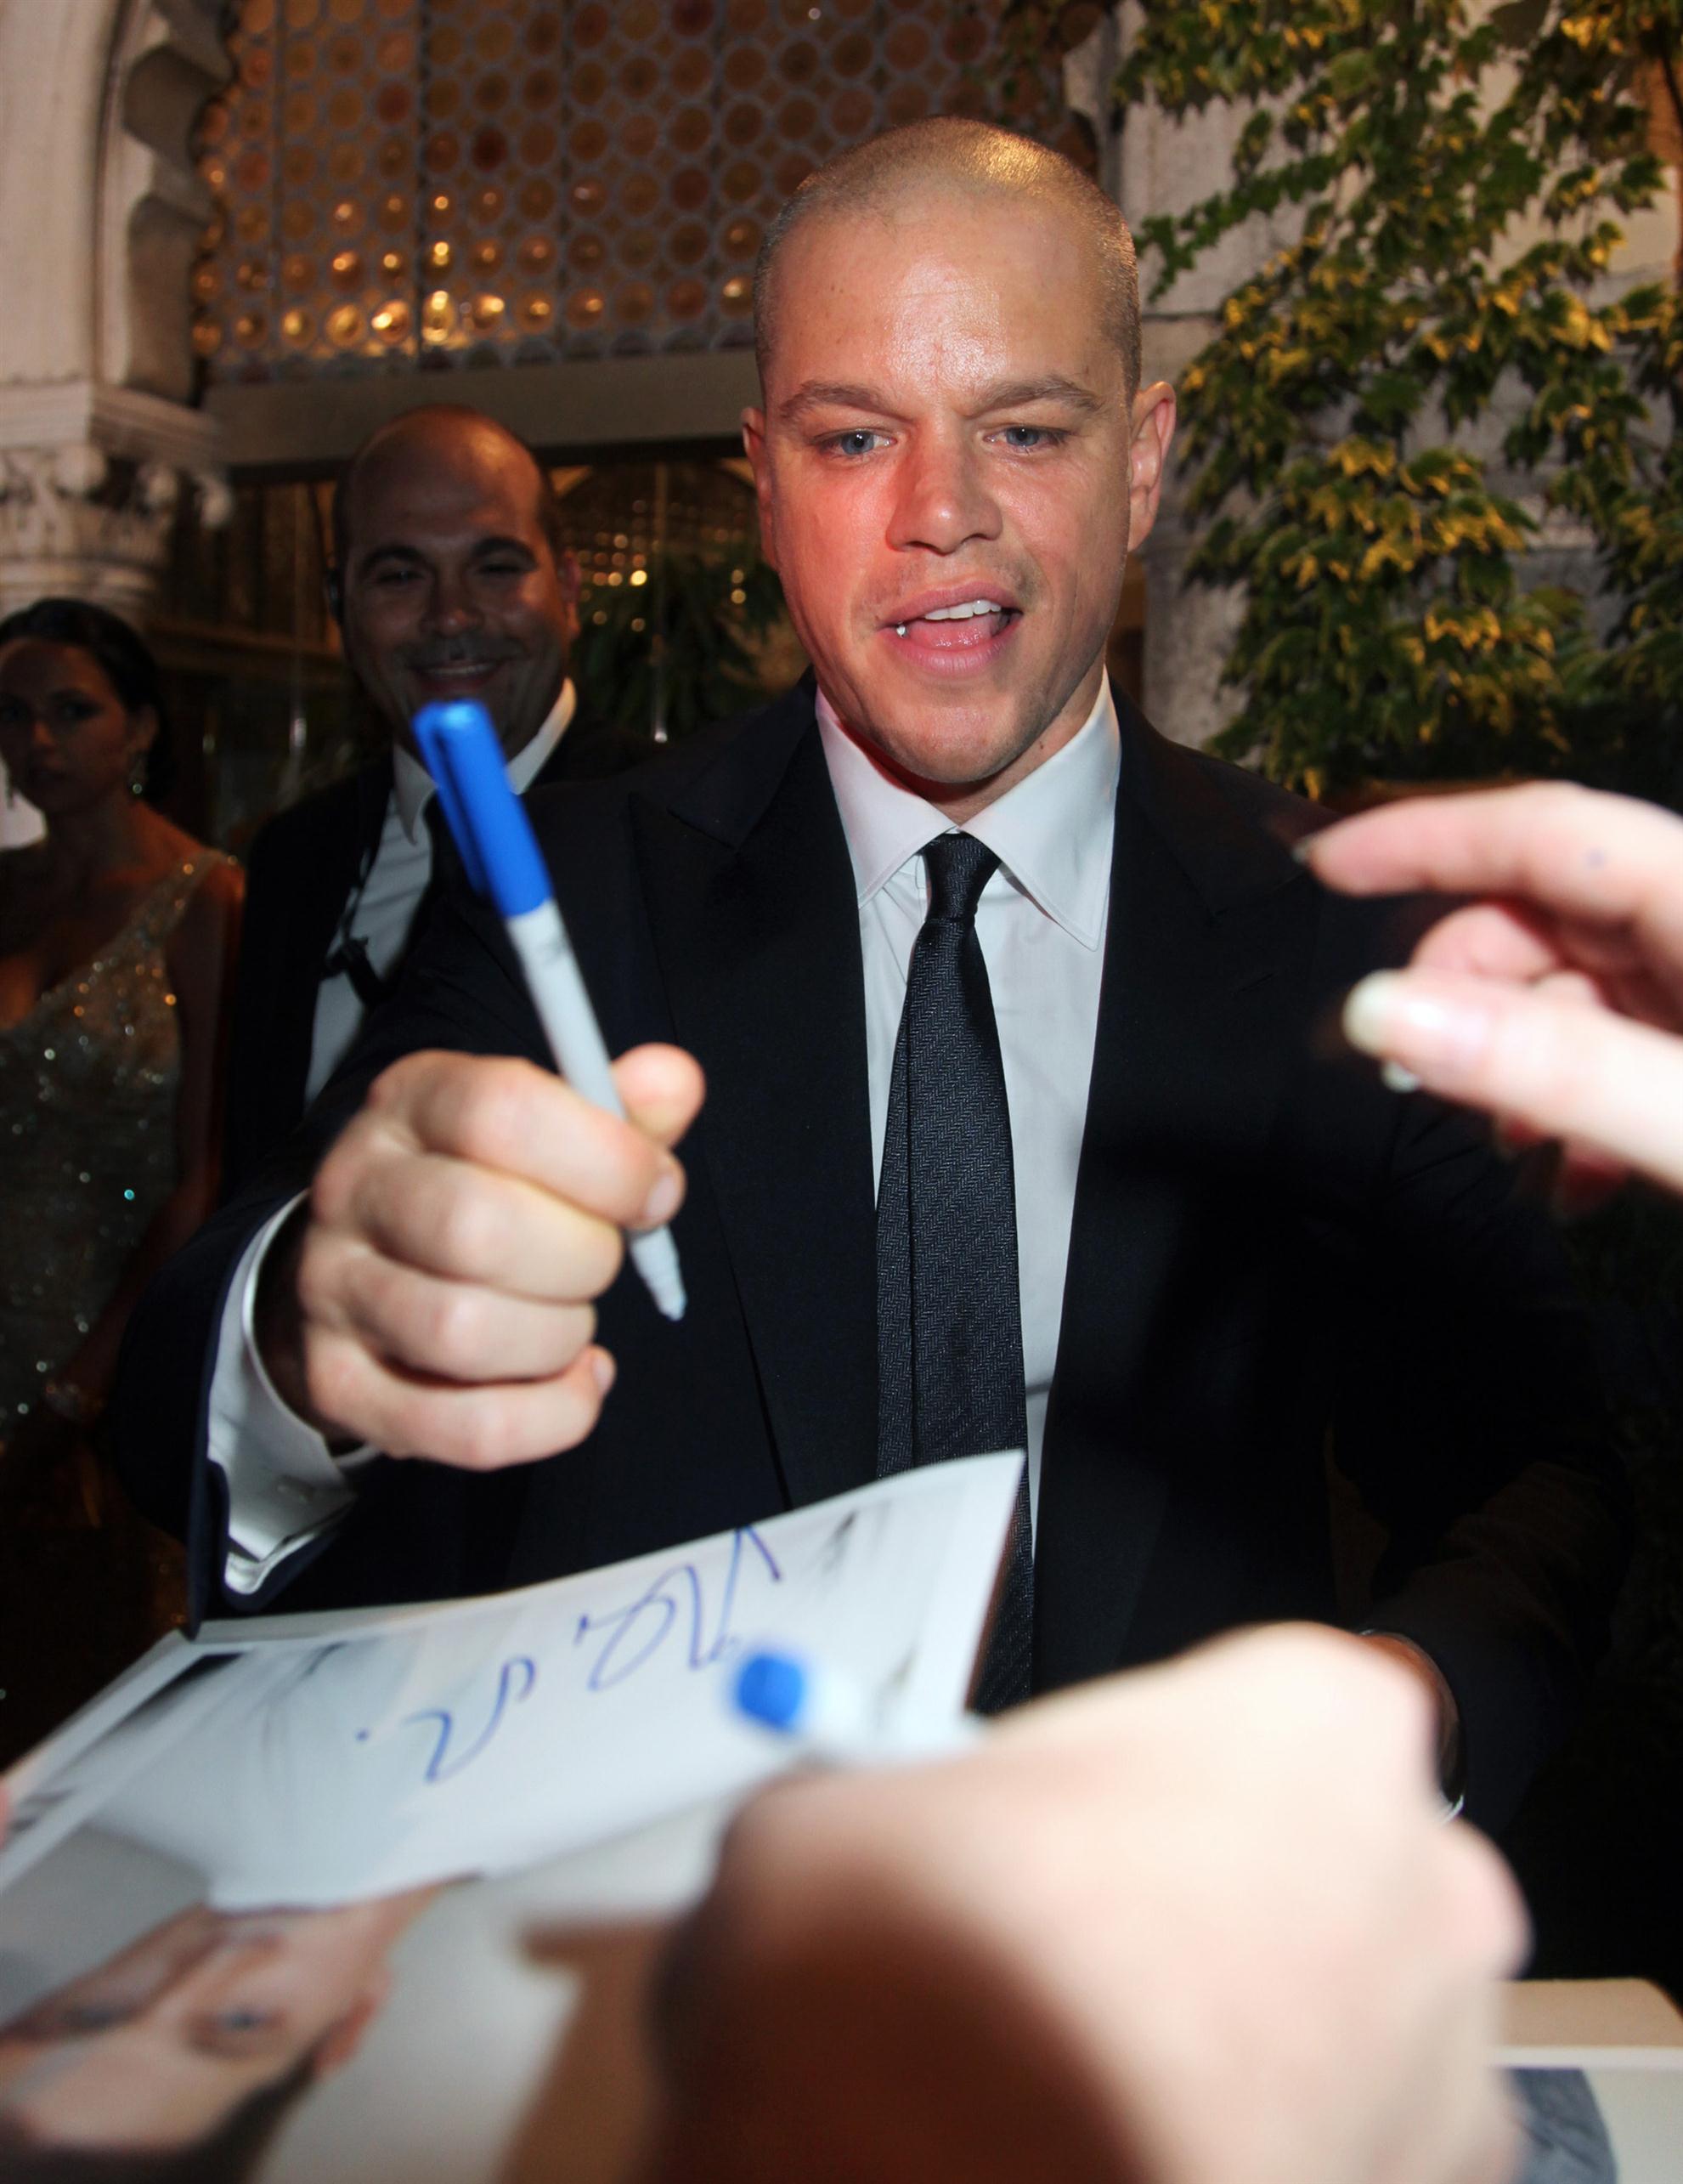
pixel 949 468
pixel 450 588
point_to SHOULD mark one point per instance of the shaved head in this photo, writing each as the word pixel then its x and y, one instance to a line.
pixel 905 173
pixel 421 435
pixel 450 581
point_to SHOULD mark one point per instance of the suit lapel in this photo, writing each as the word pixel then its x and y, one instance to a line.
pixel 751 898
pixel 590 750
pixel 348 835
pixel 348 831
pixel 1206 935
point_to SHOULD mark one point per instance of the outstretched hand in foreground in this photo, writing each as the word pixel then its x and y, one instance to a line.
pixel 1556 1002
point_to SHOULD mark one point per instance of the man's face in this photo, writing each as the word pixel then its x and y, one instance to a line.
pixel 947 465
pixel 158 2047
pixel 451 589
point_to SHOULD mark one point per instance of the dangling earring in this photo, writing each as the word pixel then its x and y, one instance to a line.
pixel 136 780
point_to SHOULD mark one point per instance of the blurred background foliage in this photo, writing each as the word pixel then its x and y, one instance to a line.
pixel 1456 179
pixel 681 649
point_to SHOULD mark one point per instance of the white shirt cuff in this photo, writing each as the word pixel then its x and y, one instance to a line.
pixel 284 1487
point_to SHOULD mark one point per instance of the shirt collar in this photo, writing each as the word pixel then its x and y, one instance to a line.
pixel 1053 832
pixel 412 784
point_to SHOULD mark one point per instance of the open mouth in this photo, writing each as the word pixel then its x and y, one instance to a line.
pixel 457 678
pixel 966 629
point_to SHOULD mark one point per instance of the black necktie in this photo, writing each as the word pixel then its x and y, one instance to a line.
pixel 949 1322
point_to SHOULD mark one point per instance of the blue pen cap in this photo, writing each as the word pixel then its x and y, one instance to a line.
pixel 771 1688
pixel 460 748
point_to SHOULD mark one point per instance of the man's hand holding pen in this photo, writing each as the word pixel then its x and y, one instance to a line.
pixel 436 1296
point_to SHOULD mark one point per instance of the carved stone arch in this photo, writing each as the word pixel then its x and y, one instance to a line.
pixel 98 102
pixel 167 59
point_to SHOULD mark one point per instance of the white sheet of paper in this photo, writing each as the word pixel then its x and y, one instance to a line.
pixel 334 1757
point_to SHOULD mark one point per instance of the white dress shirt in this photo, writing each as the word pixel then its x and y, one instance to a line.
pixel 1041 924
pixel 397 880
pixel 282 1483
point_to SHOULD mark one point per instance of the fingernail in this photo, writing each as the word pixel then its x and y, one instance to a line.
pixel 1303 848
pixel 1368 1020
pixel 662 1203
pixel 1389 1013
pixel 603 1371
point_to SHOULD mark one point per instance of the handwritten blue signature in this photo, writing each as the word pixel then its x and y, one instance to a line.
pixel 445 1763
pixel 634 1634
pixel 638 1632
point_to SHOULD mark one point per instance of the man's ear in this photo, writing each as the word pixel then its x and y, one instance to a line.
pixel 753 447
pixel 1154 428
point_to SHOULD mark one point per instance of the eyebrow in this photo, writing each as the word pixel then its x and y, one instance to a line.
pixel 834 395
pixel 1019 393
pixel 1005 394
pixel 412 556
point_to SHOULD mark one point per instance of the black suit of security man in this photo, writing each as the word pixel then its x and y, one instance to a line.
pixel 304 866
pixel 1272 1257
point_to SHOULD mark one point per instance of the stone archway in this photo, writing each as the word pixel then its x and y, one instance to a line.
pixel 102 207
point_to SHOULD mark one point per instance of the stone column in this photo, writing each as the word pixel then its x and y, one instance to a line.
pixel 98 437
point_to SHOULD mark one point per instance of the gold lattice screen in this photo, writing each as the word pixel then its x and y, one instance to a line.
pixel 444 182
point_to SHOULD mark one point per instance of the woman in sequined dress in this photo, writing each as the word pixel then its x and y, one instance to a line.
pixel 118 936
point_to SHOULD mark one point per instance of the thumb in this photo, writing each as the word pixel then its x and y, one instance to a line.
pixel 662 1089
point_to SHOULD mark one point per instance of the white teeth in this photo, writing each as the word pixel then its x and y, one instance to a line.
pixel 965 613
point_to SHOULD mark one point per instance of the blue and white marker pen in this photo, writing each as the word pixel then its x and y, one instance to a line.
pixel 492 831
pixel 831 1717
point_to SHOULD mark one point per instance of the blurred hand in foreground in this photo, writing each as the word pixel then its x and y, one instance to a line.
pixel 1201 1921
pixel 1555 1003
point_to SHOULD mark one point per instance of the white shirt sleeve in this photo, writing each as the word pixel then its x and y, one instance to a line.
pixel 285 1489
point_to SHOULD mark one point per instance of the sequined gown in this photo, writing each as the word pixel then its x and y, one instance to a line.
pixel 88 1154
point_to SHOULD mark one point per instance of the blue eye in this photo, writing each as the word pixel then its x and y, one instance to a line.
pixel 1028 437
pixel 237 2020
pixel 859 441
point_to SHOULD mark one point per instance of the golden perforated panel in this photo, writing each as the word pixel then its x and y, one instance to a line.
pixel 429 183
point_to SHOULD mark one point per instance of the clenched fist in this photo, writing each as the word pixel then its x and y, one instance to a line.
pixel 435 1295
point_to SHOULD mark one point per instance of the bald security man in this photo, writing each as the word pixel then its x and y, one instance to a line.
pixel 952 914
pixel 450 579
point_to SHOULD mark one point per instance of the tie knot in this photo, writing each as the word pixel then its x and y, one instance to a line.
pixel 959 868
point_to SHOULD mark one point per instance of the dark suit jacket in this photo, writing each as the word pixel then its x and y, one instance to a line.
pixel 303 865
pixel 1272 1257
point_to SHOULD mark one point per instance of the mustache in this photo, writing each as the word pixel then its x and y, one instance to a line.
pixel 460 652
